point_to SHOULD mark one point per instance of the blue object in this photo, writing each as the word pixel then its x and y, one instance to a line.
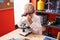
pixel 1 1
pixel 46 38
pixel 17 39
pixel 28 13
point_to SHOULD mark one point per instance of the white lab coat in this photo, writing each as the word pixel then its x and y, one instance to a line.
pixel 36 26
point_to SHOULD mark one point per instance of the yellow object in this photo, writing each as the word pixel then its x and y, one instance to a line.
pixel 8 3
pixel 40 5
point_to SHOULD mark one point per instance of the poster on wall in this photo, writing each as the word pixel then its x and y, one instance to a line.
pixel 1 1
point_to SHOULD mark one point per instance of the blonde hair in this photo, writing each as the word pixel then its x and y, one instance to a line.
pixel 29 7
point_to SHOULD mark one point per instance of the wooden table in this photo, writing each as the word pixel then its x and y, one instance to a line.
pixel 15 34
pixel 58 37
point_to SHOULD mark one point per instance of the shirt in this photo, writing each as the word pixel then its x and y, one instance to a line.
pixel 36 26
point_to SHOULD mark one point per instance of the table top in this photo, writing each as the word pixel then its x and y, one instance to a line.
pixel 15 34
pixel 58 36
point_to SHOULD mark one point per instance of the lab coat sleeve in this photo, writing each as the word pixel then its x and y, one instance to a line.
pixel 39 25
pixel 36 26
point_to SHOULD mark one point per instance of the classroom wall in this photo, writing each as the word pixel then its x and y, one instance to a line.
pixel 19 9
pixel 6 21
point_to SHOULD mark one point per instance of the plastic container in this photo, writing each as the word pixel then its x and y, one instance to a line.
pixel 40 5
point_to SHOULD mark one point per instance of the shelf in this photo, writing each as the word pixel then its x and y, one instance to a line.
pixel 54 26
pixel 7 8
pixel 47 12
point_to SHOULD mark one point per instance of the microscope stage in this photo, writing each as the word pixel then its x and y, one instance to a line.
pixel 25 33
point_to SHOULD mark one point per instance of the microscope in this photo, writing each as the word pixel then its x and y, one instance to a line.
pixel 25 29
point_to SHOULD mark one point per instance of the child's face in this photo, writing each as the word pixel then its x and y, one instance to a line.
pixel 28 8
